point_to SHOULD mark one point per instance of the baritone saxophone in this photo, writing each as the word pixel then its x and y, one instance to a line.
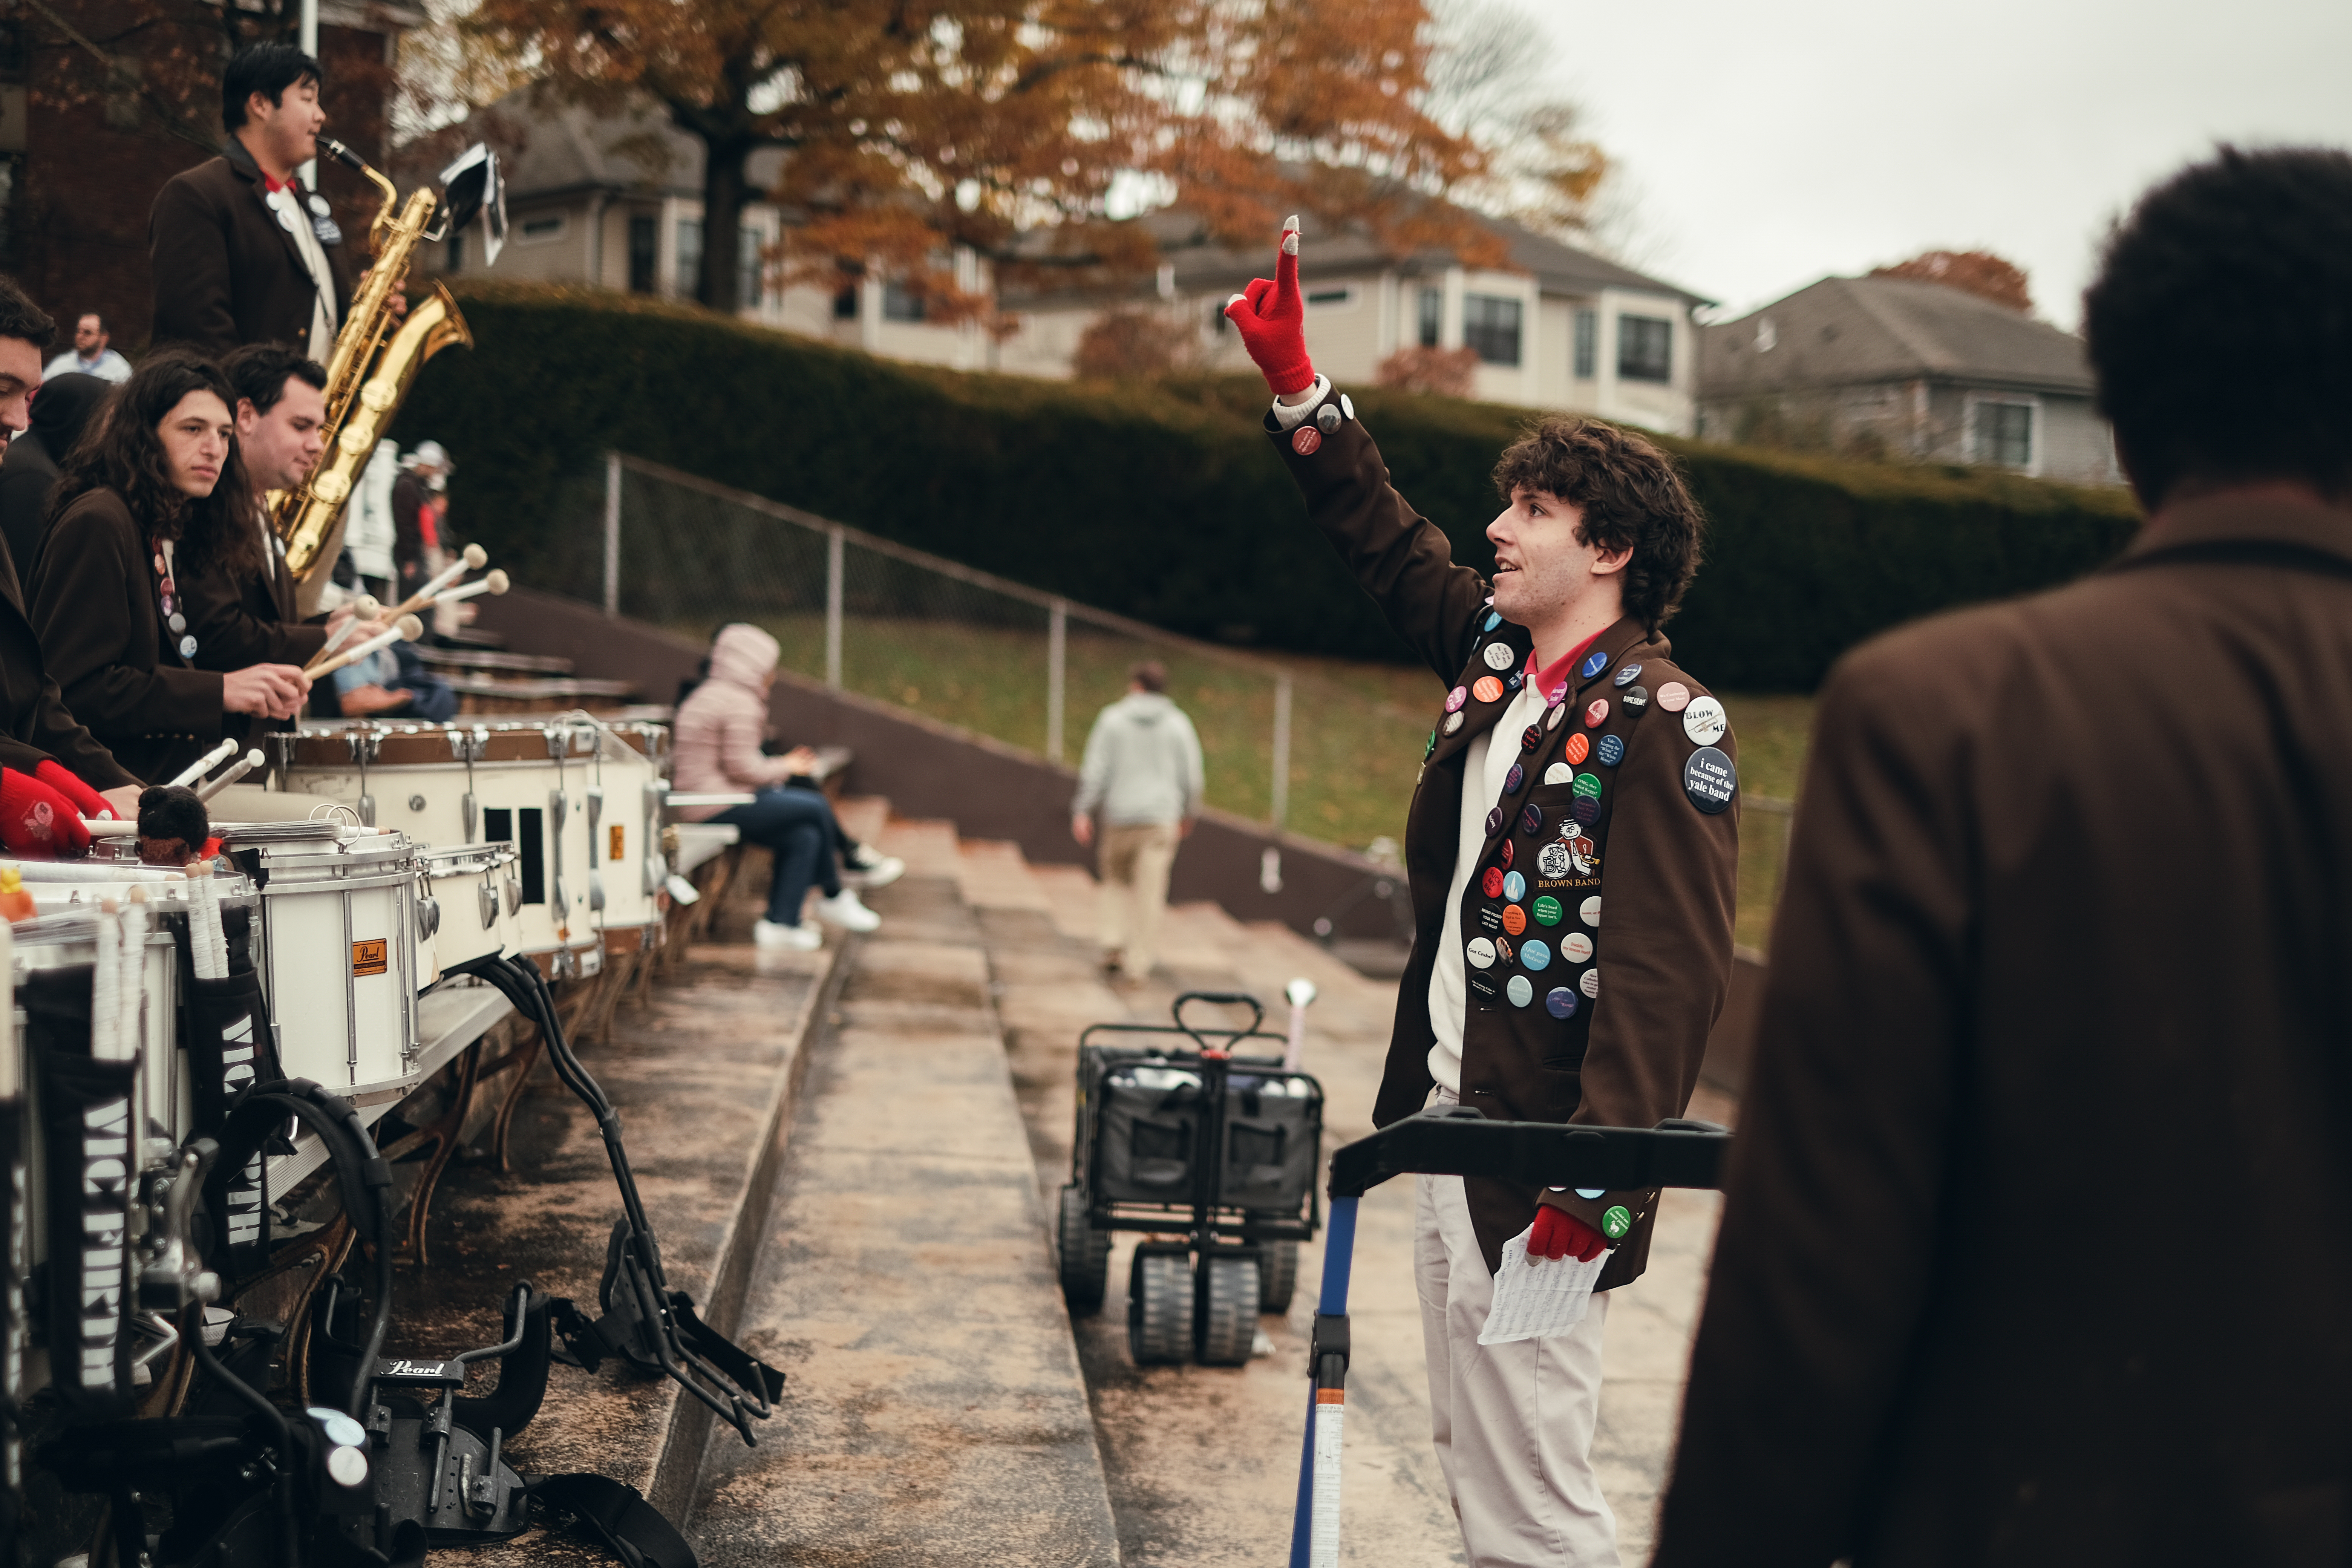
pixel 376 358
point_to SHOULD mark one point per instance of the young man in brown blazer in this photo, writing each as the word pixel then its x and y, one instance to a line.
pixel 242 252
pixel 2038 1242
pixel 1571 761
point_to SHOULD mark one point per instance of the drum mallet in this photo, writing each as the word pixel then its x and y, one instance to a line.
pixel 203 765
pixel 408 628
pixel 363 609
pixel 244 764
pixel 472 559
pixel 491 582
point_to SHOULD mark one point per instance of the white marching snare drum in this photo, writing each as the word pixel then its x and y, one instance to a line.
pixel 467 884
pixel 338 952
pixel 624 812
pixel 448 785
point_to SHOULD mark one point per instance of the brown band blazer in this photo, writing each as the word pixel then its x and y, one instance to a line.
pixel 237 625
pixel 1665 871
pixel 95 605
pixel 227 272
pixel 2037 1247
pixel 33 712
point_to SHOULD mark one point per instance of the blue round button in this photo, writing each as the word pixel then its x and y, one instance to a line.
pixel 1593 1195
pixel 1494 619
pixel 1520 991
pixel 1514 887
pixel 1534 954
pixel 1594 663
pixel 1609 751
pixel 1585 808
pixel 1627 674
pixel 1494 822
pixel 1514 779
pixel 1560 1002
pixel 1515 682
pixel 1530 821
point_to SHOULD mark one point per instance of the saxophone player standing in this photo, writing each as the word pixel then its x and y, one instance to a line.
pixel 242 253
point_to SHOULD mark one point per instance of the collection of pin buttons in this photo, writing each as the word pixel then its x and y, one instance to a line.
pixel 1709 783
pixel 1307 440
pixel 167 595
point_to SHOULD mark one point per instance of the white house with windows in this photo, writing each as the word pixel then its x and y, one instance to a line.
pixel 614 200
pixel 1562 328
pixel 1891 367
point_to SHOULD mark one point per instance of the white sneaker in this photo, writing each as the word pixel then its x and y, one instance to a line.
pixel 794 939
pixel 868 868
pixel 846 910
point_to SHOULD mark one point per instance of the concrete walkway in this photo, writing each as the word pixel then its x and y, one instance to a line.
pixel 935 1413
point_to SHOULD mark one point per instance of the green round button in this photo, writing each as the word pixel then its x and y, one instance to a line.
pixel 1547 910
pixel 1616 1222
pixel 1587 785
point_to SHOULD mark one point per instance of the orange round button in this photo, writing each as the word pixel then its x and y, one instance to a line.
pixel 1488 689
pixel 1515 919
pixel 1576 747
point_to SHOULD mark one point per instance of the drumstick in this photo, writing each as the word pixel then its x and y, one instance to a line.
pixel 472 559
pixel 203 765
pixel 363 609
pixel 492 582
pixel 408 628
pixel 244 764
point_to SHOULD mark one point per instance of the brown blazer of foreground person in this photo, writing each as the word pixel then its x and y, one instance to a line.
pixel 2037 1246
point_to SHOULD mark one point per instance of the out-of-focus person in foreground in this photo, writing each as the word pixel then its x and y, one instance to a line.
pixel 2035 1243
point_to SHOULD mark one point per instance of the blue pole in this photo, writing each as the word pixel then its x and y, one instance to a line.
pixel 1339 1247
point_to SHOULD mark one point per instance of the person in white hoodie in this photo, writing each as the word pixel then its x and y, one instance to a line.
pixel 716 737
pixel 1142 775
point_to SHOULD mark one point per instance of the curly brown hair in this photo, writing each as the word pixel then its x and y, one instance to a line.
pixel 121 450
pixel 1629 495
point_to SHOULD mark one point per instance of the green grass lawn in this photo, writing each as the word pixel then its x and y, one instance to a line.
pixel 1357 730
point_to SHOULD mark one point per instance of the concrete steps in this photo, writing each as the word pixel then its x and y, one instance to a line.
pixel 935 1413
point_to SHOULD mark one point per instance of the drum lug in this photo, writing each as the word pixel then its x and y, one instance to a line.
pixel 488 896
pixel 367 811
pixel 472 811
pixel 596 890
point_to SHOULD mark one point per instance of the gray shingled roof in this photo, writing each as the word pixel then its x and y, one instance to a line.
pixel 1852 330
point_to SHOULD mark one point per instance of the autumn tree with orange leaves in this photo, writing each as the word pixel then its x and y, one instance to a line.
pixel 1978 272
pixel 1018 128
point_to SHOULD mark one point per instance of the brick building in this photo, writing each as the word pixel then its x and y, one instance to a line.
pixel 94 120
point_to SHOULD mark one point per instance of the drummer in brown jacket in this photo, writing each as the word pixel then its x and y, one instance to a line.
pixel 2038 1243
pixel 1572 761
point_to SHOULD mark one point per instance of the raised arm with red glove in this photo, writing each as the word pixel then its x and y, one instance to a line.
pixel 1271 316
pixel 38 819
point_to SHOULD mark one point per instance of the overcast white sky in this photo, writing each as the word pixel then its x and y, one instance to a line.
pixel 1767 145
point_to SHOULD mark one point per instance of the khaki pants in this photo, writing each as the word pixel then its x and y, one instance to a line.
pixel 1135 862
pixel 1512 1423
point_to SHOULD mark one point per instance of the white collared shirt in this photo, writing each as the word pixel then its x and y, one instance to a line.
pixel 296 221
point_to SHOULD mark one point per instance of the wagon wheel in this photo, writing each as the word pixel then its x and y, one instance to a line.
pixel 1159 1307
pixel 1277 1275
pixel 1226 1316
pixel 1084 1253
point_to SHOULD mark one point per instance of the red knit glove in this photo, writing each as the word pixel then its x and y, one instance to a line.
pixel 36 819
pixel 1271 315
pixel 87 801
pixel 1560 1233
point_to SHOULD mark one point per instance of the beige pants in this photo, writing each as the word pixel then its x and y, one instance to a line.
pixel 1135 862
pixel 1512 1423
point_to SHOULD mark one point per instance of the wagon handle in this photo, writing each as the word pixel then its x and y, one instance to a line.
pixel 1219 999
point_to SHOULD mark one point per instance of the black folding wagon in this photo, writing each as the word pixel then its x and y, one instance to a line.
pixel 1196 1135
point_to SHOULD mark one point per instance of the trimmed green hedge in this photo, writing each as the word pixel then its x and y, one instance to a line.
pixel 1165 502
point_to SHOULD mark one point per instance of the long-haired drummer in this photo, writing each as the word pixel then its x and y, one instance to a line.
pixel 157 496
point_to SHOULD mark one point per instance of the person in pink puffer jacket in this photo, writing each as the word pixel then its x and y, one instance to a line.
pixel 716 750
